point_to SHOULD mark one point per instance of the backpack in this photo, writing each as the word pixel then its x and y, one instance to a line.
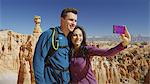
pixel 52 50
pixel 54 43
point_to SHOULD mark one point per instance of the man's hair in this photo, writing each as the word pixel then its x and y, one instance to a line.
pixel 66 10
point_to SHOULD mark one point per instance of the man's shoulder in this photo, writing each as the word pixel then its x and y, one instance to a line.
pixel 45 34
pixel 48 31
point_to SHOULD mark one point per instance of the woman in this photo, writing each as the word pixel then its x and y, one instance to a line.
pixel 80 66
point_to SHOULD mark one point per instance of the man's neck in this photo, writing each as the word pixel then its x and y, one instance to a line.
pixel 64 31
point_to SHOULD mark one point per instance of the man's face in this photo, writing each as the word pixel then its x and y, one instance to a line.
pixel 70 21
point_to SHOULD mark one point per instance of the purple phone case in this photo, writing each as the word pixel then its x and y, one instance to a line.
pixel 118 29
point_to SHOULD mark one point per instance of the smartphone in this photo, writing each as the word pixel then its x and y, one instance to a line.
pixel 119 29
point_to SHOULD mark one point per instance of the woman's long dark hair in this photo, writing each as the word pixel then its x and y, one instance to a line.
pixel 82 49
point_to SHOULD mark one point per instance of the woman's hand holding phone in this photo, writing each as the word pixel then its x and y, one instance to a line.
pixel 126 37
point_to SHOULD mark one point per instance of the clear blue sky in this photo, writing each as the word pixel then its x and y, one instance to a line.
pixel 97 16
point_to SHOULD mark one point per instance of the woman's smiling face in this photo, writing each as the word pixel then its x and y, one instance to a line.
pixel 77 37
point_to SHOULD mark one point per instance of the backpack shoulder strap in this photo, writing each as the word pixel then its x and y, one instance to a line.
pixel 54 42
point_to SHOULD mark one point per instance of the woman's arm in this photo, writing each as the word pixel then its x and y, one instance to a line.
pixel 126 38
pixel 94 51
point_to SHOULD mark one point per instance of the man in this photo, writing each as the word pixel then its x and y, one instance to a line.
pixel 56 72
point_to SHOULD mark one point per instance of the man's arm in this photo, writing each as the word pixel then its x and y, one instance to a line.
pixel 39 57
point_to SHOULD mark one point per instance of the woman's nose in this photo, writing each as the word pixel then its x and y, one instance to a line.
pixel 77 36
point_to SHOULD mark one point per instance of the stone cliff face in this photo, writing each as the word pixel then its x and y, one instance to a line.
pixel 10 49
pixel 16 55
pixel 129 66
pixel 10 43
